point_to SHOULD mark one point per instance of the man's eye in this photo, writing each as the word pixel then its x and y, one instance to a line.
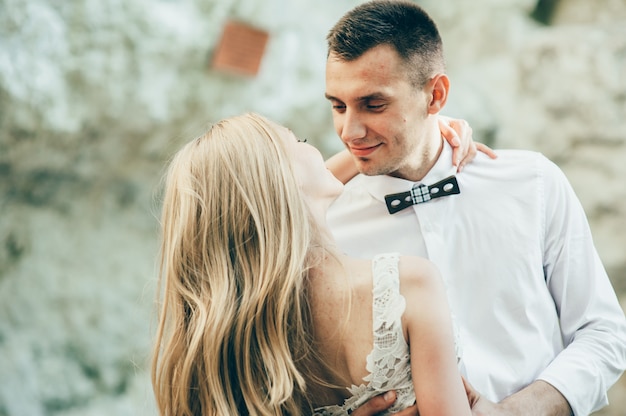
pixel 375 107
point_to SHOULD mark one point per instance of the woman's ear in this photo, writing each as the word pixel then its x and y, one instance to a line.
pixel 440 85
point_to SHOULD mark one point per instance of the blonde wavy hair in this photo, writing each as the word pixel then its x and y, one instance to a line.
pixel 234 333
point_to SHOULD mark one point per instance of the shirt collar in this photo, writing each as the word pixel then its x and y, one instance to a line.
pixel 381 185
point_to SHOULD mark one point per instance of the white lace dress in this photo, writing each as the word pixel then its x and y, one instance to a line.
pixel 388 364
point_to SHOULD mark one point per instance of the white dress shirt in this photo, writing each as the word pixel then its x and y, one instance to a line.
pixel 529 294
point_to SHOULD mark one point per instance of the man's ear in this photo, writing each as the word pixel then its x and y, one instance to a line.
pixel 440 85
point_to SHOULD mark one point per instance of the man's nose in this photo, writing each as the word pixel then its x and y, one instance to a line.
pixel 352 127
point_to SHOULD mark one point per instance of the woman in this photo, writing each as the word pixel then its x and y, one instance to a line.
pixel 262 315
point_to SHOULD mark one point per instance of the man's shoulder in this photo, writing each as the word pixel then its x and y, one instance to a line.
pixel 513 155
pixel 358 181
pixel 512 161
pixel 358 187
pixel 354 197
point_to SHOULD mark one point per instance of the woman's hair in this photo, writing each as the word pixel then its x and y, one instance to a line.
pixel 234 332
pixel 401 24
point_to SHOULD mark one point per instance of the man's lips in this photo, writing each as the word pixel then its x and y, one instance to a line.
pixel 364 151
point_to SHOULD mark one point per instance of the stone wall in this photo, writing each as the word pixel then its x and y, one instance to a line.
pixel 95 95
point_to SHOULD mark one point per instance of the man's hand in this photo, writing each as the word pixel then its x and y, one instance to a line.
pixel 537 399
pixel 459 134
pixel 480 406
pixel 380 403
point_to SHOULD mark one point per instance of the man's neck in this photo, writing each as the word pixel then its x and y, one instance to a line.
pixel 418 165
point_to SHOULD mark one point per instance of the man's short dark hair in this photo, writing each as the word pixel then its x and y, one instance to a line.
pixel 401 24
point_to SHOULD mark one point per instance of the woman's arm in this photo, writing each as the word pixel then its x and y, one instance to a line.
pixel 437 382
pixel 342 166
pixel 458 133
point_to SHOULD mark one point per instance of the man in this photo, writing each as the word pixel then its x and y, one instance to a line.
pixel 540 326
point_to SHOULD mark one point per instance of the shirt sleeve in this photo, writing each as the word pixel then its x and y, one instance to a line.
pixel 592 321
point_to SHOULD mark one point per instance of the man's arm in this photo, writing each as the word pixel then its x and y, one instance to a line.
pixel 591 319
pixel 537 399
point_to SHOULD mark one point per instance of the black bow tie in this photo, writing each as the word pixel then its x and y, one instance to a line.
pixel 421 193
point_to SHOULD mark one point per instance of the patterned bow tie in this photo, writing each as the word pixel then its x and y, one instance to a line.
pixel 421 193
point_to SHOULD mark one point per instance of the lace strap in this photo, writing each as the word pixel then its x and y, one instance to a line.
pixel 388 304
pixel 388 307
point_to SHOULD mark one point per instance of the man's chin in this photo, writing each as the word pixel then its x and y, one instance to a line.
pixel 371 171
pixel 368 168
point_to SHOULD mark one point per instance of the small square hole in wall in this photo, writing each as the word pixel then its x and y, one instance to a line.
pixel 240 49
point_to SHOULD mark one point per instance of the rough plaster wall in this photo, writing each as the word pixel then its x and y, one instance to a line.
pixel 95 95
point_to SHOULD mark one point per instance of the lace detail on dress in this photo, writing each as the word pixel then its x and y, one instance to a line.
pixel 388 364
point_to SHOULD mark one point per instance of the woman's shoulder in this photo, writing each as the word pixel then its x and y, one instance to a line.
pixel 417 273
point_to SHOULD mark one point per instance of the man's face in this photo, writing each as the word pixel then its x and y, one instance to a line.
pixel 378 114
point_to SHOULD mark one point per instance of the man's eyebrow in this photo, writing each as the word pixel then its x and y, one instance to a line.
pixel 373 96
